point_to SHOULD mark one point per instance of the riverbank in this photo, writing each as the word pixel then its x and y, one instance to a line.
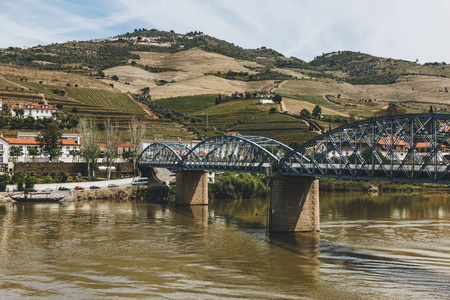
pixel 116 194
pixel 341 185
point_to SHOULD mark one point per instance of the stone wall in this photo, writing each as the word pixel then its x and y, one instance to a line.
pixel 118 194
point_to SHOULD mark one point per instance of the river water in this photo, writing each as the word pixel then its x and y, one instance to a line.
pixel 370 247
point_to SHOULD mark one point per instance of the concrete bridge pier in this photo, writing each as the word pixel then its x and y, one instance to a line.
pixel 294 204
pixel 191 188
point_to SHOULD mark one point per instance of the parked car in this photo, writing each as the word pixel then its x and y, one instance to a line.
pixel 63 188
pixel 94 187
pixel 30 190
pixel 79 188
pixel 140 181
pixel 47 190
pixel 112 185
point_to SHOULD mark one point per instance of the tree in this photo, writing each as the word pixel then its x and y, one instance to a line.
pixel 272 110
pixel 136 132
pixel 50 140
pixel 115 77
pixel 317 111
pixel 112 138
pixel 18 177
pixel 146 93
pixel 55 153
pixel 4 179
pixel 75 154
pixel 90 150
pixel 30 181
pixel 392 109
pixel 33 152
pixel 19 112
pixel 304 113
pixel 15 152
pixel 277 98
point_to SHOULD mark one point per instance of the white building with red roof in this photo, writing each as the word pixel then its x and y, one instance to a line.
pixel 37 111
pixel 28 141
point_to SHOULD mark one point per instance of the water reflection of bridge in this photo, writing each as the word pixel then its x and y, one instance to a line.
pixel 404 148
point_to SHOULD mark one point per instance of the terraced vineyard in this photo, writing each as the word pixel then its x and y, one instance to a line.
pixel 280 127
pixel 220 117
pixel 188 104
pixel 108 99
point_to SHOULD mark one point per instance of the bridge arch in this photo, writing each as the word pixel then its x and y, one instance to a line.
pixel 235 153
pixel 162 155
pixel 403 148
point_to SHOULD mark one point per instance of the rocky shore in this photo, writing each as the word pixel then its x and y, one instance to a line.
pixel 116 194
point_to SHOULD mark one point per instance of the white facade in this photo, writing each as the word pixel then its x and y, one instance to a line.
pixel 36 111
pixel 266 101
pixel 28 142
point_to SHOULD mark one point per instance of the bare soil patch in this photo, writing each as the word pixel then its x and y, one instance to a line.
pixel 207 85
pixel 411 91
pixel 195 61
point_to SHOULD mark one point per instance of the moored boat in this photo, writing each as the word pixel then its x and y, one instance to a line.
pixel 37 197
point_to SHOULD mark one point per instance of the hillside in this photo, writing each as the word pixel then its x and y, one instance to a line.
pixel 186 72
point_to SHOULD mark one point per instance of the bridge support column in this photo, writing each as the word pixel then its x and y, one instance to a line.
pixel 192 188
pixel 294 204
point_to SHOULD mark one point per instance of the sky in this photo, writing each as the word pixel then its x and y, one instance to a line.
pixel 401 29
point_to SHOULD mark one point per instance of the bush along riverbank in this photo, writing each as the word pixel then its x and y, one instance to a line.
pixel 238 186
pixel 341 185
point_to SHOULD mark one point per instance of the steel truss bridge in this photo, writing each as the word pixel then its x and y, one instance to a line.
pixel 402 148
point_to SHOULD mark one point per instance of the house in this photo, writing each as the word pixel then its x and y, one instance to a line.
pixel 266 101
pixel 5 165
pixel 27 141
pixel 384 145
pixel 36 111
pixel 124 147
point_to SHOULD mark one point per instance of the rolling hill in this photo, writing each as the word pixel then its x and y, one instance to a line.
pixel 104 78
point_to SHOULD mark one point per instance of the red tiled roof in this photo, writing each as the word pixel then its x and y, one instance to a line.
pixel 33 106
pixel 125 144
pixel 22 141
pixel 397 141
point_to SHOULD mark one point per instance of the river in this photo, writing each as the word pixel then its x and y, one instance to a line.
pixel 385 246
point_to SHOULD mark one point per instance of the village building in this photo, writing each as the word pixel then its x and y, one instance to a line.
pixel 124 147
pixel 384 145
pixel 28 140
pixel 36 111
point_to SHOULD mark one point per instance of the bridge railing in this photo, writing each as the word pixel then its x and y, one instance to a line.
pixel 397 148
pixel 413 148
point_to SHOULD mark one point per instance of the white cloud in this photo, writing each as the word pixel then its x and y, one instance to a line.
pixel 406 29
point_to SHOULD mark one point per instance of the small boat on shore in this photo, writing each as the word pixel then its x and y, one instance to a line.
pixel 37 197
